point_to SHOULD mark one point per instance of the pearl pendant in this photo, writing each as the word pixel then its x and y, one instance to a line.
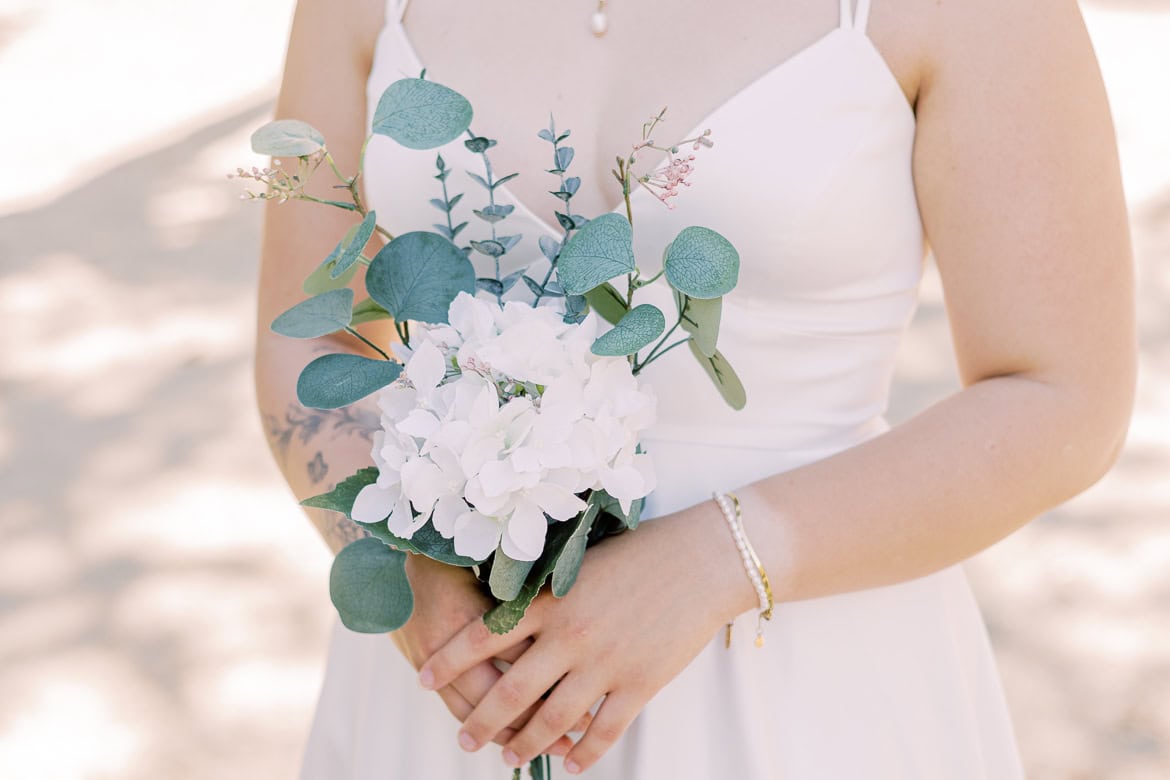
pixel 599 24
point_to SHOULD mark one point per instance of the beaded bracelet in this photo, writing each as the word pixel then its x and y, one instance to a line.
pixel 751 562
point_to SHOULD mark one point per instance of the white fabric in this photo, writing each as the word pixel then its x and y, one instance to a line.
pixel 892 683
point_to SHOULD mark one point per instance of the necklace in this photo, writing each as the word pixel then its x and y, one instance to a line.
pixel 599 23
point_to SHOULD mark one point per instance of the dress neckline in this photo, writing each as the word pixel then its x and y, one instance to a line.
pixel 752 85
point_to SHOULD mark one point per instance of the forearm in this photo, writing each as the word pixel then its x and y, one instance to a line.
pixel 927 494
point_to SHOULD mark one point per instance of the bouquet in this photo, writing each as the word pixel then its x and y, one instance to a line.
pixel 510 428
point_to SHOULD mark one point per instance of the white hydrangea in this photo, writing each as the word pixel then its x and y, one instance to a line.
pixel 501 418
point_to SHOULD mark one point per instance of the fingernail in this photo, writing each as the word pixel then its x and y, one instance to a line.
pixel 466 741
pixel 572 767
pixel 511 759
pixel 426 678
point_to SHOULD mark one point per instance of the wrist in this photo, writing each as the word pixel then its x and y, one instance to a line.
pixel 719 570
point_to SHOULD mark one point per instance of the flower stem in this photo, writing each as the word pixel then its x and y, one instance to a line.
pixel 368 343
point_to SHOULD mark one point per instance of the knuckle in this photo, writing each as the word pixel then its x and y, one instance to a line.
pixel 553 719
pixel 606 733
pixel 510 690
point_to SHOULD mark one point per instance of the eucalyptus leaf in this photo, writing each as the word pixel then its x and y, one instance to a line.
pixel 287 138
pixel 369 587
pixel 608 302
pixel 611 506
pixel 509 241
pixel 700 318
pixel 480 180
pixel 701 263
pixel 489 247
pixel 421 114
pixel 572 184
pixel 440 204
pixel 494 212
pixel 417 275
pixel 507 576
pixel 564 157
pixel 368 311
pixel 549 247
pixel 344 493
pixel 322 279
pixel 596 253
pixel 425 541
pixel 333 381
pixel 479 144
pixel 545 135
pixel 569 562
pixel 510 280
pixel 723 375
pixel 349 249
pixel 641 325
pixel 489 285
pixel 320 315
pixel 565 221
pixel 451 203
pixel 503 617
pixel 504 180
pixel 534 286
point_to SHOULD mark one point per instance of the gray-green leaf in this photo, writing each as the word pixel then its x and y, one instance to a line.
pixel 507 576
pixel 417 275
pixel 322 279
pixel 638 328
pixel 369 587
pixel 569 561
pixel 320 315
pixel 600 250
pixel 723 375
pixel 344 493
pixel 287 138
pixel 421 114
pixel 701 263
pixel 333 381
pixel 368 311
pixel 608 302
pixel 349 249
pixel 701 320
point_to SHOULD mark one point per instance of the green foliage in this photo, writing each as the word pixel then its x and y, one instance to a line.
pixel 504 616
pixel 417 275
pixel 323 280
pixel 701 263
pixel 320 315
pixel 638 328
pixel 369 587
pixel 333 381
pixel 723 375
pixel 349 249
pixel 368 311
pixel 507 576
pixel 287 138
pixel 611 506
pixel 608 302
pixel 344 493
pixel 421 114
pixel 700 318
pixel 425 541
pixel 600 250
pixel 569 561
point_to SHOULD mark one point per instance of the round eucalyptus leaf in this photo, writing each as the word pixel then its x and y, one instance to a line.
pixel 368 311
pixel 723 375
pixel 638 328
pixel 322 279
pixel 600 250
pixel 421 114
pixel 369 587
pixel 320 315
pixel 417 275
pixel 333 381
pixel 287 138
pixel 700 318
pixel 701 263
pixel 349 249
pixel 608 302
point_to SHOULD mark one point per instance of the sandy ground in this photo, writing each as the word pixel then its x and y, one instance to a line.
pixel 163 609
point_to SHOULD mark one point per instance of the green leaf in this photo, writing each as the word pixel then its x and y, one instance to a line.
pixel 503 617
pixel 723 375
pixel 507 577
pixel 638 328
pixel 369 587
pixel 320 315
pixel 611 506
pixel 417 275
pixel 701 263
pixel 608 302
pixel 600 250
pixel 349 249
pixel 368 311
pixel 333 381
pixel 287 138
pixel 322 280
pixel 700 318
pixel 569 562
pixel 344 493
pixel 421 114
pixel 425 541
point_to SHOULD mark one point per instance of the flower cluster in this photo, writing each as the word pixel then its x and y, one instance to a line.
pixel 501 422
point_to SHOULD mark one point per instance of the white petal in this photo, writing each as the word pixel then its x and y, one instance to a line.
pixel 476 535
pixel 426 367
pixel 497 477
pixel 556 501
pixel 423 483
pixel 447 510
pixel 523 540
pixel 419 423
pixel 373 503
pixel 402 521
pixel 625 484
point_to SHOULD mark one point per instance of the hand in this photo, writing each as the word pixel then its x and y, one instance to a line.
pixel 643 606
pixel 447 599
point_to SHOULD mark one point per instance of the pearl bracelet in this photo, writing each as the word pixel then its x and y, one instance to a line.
pixel 733 513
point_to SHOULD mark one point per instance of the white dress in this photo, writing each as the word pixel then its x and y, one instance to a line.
pixel 891 683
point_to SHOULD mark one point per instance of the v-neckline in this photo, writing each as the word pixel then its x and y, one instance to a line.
pixel 709 118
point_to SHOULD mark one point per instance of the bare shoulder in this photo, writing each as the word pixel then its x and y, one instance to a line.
pixel 350 26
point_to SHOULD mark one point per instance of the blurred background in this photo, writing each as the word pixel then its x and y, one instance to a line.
pixel 163 605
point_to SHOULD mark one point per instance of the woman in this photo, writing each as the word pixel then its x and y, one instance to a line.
pixel 850 137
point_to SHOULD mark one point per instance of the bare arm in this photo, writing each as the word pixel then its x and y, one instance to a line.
pixel 1018 181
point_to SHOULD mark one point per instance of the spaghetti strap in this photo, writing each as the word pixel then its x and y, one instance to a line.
pixel 401 8
pixel 850 20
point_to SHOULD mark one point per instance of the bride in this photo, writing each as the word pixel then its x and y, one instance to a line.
pixel 849 137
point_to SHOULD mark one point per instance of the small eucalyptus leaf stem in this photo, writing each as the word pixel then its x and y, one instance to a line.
pixel 638 283
pixel 350 184
pixel 490 177
pixel 552 266
pixel 657 351
pixel 654 355
pixel 367 342
pixel 403 329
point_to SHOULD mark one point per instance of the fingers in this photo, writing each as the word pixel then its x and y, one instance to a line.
pixel 574 695
pixel 472 644
pixel 615 716
pixel 516 691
